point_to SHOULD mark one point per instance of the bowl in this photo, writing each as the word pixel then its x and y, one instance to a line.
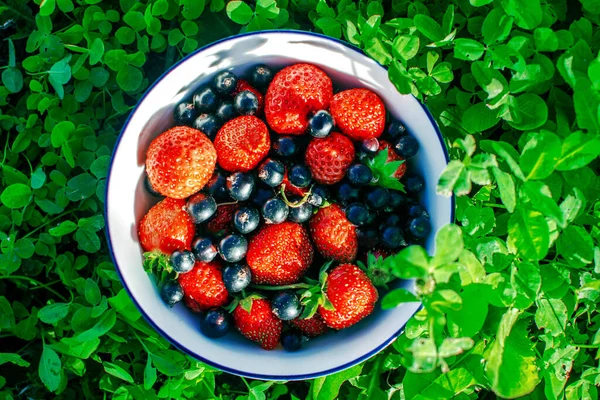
pixel 127 201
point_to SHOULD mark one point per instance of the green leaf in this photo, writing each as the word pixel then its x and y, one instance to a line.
pixel 468 49
pixel 53 313
pixel 13 359
pixel 405 47
pixel 528 234
pixel 47 7
pixel 455 178
pixel 92 292
pixel 88 240
pixel 63 228
pixel 469 319
pixel 102 325
pixel 496 27
pixel 528 112
pixel 479 118
pixel 411 262
pixel 129 78
pixel 149 374
pixel 16 195
pixel 192 9
pixel 12 78
pixel 540 155
pixel 576 246
pixel 442 73
pixel 239 12
pixel 526 282
pixel 587 102
pixel 81 187
pixel 59 75
pixel 65 5
pixel 38 178
pixel 330 26
pixel 545 39
pixel 551 315
pixel 50 368
pixel 541 199
pixel 396 297
pixel 578 150
pixel 168 362
pixel 448 245
pixel 96 51
pixel 527 13
pixel 117 371
pixel 506 186
pixel 328 388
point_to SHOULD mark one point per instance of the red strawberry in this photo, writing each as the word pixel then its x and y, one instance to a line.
pixel 291 189
pixel 294 92
pixel 333 235
pixel 180 161
pixel 313 326
pixel 191 304
pixel 392 156
pixel 279 254
pixel 329 158
pixel 358 113
pixel 167 227
pixel 244 85
pixel 260 324
pixel 242 143
pixel 204 286
pixel 352 295
pixel 223 218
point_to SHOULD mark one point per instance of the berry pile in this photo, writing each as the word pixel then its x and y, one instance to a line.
pixel 267 222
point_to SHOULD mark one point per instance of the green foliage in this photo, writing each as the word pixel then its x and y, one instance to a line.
pixel 510 296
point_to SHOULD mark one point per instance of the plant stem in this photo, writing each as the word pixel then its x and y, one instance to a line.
pixel 587 346
pixel 36 282
pixel 294 286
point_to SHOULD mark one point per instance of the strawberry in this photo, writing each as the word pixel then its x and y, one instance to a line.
pixel 279 254
pixel 358 113
pixel 167 227
pixel 313 326
pixel 333 235
pixel 204 286
pixel 223 219
pixel 191 304
pixel 352 295
pixel 291 189
pixel 392 156
pixel 258 323
pixel 244 85
pixel 329 158
pixel 180 161
pixel 242 143
pixel 294 92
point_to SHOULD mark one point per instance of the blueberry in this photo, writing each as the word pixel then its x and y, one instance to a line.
pixel 233 248
pixel 414 184
pixel 318 195
pixel 216 186
pixel 205 100
pixel 367 238
pixel 321 124
pixel 226 111
pixel 392 220
pixel 261 76
pixel 377 197
pixel 359 174
pixel 246 220
pixel 204 250
pixel 406 146
pixel 291 341
pixel 286 306
pixel 419 227
pixel 357 213
pixel 395 201
pixel 225 82
pixel 207 124
pixel 275 211
pixel 149 187
pixel 184 114
pixel 392 237
pixel 182 261
pixel 215 323
pixel 261 195
pixel 300 176
pixel 417 210
pixel 396 129
pixel 271 172
pixel 236 277
pixel 285 146
pixel 201 207
pixel 301 214
pixel 370 146
pixel 171 293
pixel 240 185
pixel 346 193
pixel 246 103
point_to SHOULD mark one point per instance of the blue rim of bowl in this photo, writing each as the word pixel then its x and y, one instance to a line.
pixel 151 322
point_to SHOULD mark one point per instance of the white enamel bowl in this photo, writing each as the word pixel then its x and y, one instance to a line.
pixel 127 201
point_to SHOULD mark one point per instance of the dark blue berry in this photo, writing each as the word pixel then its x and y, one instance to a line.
pixel 182 261
pixel 246 103
pixel 377 197
pixel 395 201
pixel 406 146
pixel 370 146
pixel 318 195
pixel 291 341
pixel 271 172
pixel 149 187
pixel 392 237
pixel 225 82
pixel 419 227
pixel 301 214
pixel 414 184
pixel 417 210
pixel 216 186
pixel 347 193
pixel 233 248
pixel 240 185
pixel 207 124
pixel 367 238
pixel 215 323
pixel 275 211
pixel 357 213
pixel 246 220
pixel 205 100
pixel 285 146
pixel 201 207
pixel 359 174
pixel 171 293
pixel 300 176
pixel 204 250
pixel 236 277
pixel 396 129
pixel 320 124
pixel 392 220
pixel 261 195
pixel 226 111
pixel 286 306
pixel 184 114
pixel 261 76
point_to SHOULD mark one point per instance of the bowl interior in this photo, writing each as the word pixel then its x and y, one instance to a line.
pixel 127 201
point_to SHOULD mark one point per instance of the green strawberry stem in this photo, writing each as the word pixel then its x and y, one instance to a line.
pixel 283 287
pixel 297 203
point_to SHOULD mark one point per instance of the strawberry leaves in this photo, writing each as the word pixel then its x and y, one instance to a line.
pixel 383 171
